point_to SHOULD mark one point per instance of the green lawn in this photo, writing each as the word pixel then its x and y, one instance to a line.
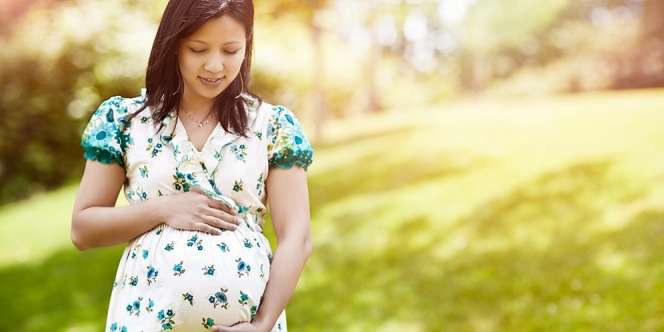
pixel 527 214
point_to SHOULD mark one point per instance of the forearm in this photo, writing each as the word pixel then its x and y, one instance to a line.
pixel 287 265
pixel 105 226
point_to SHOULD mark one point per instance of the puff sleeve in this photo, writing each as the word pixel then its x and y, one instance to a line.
pixel 287 144
pixel 102 138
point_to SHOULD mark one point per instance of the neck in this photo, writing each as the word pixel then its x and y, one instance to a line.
pixel 196 105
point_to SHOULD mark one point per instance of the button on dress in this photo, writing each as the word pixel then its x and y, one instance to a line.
pixel 181 280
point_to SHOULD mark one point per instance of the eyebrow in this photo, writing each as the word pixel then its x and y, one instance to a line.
pixel 202 42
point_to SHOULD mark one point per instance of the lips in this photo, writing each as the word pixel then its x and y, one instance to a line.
pixel 211 80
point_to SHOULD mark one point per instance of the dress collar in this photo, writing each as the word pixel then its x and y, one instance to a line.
pixel 213 152
pixel 198 168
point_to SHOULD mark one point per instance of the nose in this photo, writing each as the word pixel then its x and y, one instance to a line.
pixel 214 64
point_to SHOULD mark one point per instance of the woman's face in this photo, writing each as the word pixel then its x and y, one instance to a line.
pixel 214 52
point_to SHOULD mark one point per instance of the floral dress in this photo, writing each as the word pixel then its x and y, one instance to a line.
pixel 172 279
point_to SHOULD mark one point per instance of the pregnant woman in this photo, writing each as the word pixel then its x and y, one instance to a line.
pixel 200 159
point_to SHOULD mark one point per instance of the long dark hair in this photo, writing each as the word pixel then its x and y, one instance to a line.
pixel 163 81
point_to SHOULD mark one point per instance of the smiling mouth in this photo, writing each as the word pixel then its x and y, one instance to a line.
pixel 211 80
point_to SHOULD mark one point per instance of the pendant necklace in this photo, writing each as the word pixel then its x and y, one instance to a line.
pixel 201 123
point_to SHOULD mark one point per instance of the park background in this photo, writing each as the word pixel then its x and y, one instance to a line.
pixel 480 165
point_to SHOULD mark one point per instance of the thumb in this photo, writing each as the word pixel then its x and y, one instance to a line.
pixel 219 328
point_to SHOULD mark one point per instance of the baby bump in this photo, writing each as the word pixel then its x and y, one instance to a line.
pixel 196 279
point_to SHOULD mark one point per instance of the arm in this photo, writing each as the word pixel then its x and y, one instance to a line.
pixel 95 220
pixel 288 198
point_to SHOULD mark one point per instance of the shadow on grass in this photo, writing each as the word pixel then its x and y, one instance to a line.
pixel 611 280
pixel 565 286
pixel 374 173
pixel 67 289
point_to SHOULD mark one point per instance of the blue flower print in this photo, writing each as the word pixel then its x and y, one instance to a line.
pixel 178 270
pixel 208 270
pixel 152 274
pixel 166 319
pixel 259 185
pixel 247 243
pixel 170 246
pixel 243 208
pixel 242 267
pixel 223 247
pixel 150 306
pixel 137 194
pixel 133 280
pixel 240 152
pixel 195 241
pixel 244 298
pixel 102 139
pixel 189 298
pixel 145 253
pixel 237 186
pixel 143 171
pixel 116 328
pixel 180 182
pixel 287 143
pixel 254 310
pixel 219 299
pixel 208 322
pixel 134 308
pixel 153 148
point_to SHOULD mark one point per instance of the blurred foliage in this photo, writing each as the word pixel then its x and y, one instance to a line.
pixel 325 59
pixel 89 51
pixel 58 64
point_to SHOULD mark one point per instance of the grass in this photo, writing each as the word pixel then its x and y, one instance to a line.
pixel 484 215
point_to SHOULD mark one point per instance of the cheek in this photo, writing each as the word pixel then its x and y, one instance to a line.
pixel 235 63
pixel 188 65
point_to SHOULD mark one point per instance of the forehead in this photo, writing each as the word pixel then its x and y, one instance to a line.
pixel 219 30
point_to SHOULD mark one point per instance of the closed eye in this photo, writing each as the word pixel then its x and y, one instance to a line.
pixel 201 51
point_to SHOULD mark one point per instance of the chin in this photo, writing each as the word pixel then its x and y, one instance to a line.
pixel 210 93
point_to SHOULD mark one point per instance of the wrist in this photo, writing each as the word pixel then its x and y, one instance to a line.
pixel 158 210
pixel 262 324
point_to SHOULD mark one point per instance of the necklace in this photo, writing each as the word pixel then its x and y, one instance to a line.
pixel 201 123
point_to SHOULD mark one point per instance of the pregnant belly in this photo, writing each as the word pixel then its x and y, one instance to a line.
pixel 188 280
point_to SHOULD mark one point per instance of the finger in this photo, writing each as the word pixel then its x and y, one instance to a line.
pixel 220 206
pixel 214 222
pixel 197 189
pixel 223 215
pixel 202 227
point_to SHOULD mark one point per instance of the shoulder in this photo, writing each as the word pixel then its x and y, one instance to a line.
pixel 116 110
pixel 277 115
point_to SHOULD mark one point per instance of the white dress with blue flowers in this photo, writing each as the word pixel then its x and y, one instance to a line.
pixel 171 279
